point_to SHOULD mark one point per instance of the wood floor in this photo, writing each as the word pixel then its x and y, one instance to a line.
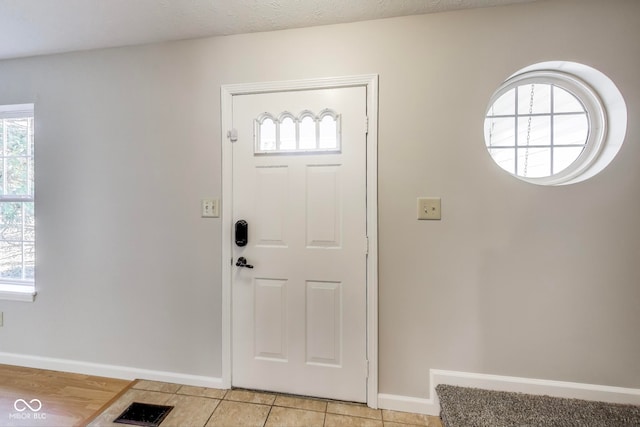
pixel 65 399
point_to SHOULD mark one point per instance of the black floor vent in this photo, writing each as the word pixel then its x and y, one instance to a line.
pixel 143 414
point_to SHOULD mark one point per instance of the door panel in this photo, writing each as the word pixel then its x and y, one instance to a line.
pixel 324 322
pixel 324 210
pixel 272 199
pixel 270 317
pixel 299 316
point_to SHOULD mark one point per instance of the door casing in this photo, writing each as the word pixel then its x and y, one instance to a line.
pixel 227 92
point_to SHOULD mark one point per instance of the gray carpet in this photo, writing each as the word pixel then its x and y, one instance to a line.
pixel 472 407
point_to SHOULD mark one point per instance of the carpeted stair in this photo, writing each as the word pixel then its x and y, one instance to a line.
pixel 472 407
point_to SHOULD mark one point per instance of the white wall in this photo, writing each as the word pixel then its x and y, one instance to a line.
pixel 515 280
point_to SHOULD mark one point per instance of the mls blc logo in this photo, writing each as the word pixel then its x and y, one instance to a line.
pixel 27 410
pixel 21 405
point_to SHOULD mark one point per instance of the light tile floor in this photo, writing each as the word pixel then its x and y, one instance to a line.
pixel 206 407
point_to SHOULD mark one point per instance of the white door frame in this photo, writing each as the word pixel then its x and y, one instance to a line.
pixel 227 92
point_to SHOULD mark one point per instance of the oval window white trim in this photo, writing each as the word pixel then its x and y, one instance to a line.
pixel 606 111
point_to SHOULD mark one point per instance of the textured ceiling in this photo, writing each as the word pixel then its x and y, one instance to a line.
pixel 34 27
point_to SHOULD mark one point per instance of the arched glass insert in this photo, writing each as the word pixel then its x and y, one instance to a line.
pixel 267 133
pixel 328 135
pixel 287 132
pixel 307 132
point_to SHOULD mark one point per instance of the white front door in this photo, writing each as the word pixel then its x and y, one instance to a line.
pixel 299 320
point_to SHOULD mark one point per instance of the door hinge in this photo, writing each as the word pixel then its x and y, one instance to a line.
pixel 366 124
pixel 366 368
pixel 366 245
pixel 232 135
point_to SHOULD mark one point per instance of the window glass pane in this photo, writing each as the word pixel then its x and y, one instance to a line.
pixel 536 97
pixel 29 223
pixel 268 135
pixel 29 261
pixel 17 176
pixel 505 105
pixel 534 162
pixel 307 133
pixel 500 132
pixel 32 141
pixel 328 133
pixel 287 134
pixel 10 260
pixel 16 137
pixel 570 130
pixel 505 158
pixel 534 130
pixel 30 177
pixel 563 157
pixel 11 221
pixel 565 102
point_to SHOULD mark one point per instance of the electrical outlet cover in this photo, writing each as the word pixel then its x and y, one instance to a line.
pixel 429 208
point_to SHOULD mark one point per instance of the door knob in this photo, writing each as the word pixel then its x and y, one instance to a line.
pixel 242 262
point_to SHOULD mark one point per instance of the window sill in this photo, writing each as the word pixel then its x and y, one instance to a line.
pixel 17 293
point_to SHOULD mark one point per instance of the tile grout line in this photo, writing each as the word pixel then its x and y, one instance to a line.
pixel 212 412
pixel 269 413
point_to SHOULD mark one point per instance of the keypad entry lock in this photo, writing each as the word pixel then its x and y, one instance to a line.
pixel 242 233
pixel 242 262
pixel 242 238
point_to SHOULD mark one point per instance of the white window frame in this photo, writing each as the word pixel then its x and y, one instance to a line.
pixel 18 290
pixel 596 117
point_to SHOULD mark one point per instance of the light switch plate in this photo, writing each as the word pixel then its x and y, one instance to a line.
pixel 429 208
pixel 210 208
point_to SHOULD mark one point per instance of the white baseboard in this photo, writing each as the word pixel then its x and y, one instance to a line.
pixel 431 406
pixel 408 404
pixel 110 371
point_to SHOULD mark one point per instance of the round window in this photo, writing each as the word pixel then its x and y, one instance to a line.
pixel 545 127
